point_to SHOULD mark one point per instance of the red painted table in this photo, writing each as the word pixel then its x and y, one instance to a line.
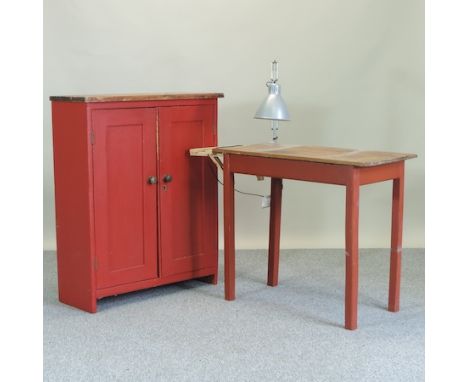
pixel 349 168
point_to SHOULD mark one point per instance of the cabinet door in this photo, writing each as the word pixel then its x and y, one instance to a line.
pixel 124 158
pixel 188 202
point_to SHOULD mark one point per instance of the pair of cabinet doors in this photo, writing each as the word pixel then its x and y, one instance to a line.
pixel 154 206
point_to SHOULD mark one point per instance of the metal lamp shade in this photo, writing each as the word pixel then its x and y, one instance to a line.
pixel 273 107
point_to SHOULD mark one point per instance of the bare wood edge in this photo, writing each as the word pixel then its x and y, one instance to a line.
pixel 334 160
pixel 134 97
pixel 202 151
pixel 207 152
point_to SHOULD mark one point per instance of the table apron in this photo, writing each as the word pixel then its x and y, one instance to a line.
pixel 312 171
pixel 381 173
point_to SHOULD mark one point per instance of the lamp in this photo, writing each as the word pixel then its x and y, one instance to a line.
pixel 273 107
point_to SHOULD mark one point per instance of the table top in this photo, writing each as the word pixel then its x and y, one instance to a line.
pixel 331 155
pixel 134 97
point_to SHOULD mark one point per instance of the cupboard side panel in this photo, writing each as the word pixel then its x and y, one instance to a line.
pixel 73 205
pixel 210 192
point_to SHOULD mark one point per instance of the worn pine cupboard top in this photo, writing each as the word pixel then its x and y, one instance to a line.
pixel 331 155
pixel 135 97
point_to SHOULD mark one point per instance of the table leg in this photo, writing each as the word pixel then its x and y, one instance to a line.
pixel 275 229
pixel 229 247
pixel 352 252
pixel 396 242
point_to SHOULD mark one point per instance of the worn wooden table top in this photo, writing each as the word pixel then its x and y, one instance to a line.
pixel 331 155
pixel 134 97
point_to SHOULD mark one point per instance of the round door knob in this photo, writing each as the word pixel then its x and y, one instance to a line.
pixel 167 178
pixel 152 180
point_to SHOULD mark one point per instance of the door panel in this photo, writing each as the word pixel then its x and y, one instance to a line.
pixel 124 157
pixel 188 209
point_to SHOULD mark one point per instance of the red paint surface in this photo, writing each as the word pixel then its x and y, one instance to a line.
pixel 299 170
pixel 73 206
pixel 352 249
pixel 275 229
pixel 115 232
pixel 229 232
pixel 188 216
pixel 396 242
pixel 124 157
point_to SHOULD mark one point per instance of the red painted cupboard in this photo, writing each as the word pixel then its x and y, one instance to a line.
pixel 133 209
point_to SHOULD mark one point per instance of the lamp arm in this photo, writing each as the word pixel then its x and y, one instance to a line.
pixel 274 71
pixel 275 129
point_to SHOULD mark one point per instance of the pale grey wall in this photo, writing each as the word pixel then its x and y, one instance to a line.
pixel 352 74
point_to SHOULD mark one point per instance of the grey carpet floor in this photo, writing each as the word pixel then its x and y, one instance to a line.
pixel 294 332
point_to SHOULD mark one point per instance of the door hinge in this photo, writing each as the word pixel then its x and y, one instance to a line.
pixel 91 136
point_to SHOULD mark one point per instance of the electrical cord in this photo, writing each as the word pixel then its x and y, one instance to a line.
pixel 235 189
